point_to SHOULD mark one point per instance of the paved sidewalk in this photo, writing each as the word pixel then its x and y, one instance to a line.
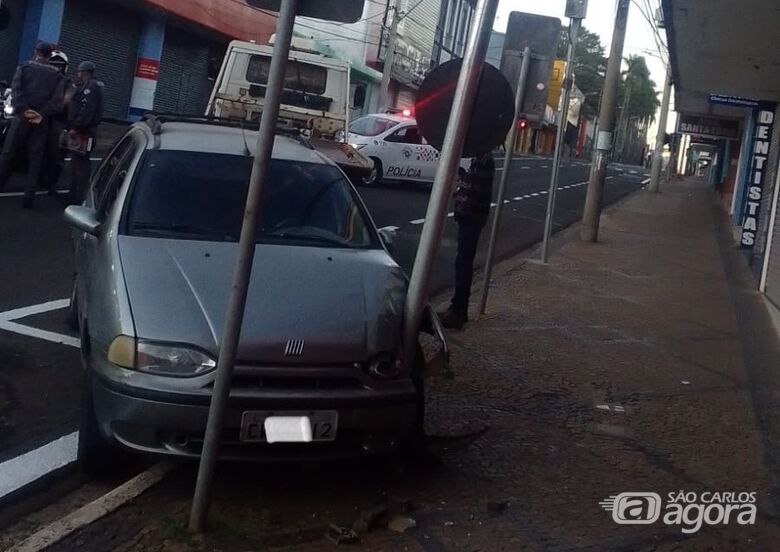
pixel 646 362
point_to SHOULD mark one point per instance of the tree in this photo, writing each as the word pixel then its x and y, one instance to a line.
pixel 590 66
pixel 638 101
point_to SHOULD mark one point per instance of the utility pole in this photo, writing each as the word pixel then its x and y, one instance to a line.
pixel 655 173
pixel 592 214
pixel 623 121
pixel 563 122
pixel 454 138
pixel 509 146
pixel 387 68
pixel 231 329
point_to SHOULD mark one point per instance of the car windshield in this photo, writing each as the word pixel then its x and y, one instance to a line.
pixel 371 125
pixel 193 195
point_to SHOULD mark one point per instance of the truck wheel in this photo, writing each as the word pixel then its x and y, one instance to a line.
pixel 375 178
pixel 96 457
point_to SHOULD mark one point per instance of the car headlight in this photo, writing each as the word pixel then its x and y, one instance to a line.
pixel 159 358
pixel 384 366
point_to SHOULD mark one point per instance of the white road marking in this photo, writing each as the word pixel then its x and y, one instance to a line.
pixel 506 201
pixel 646 181
pixel 95 510
pixel 417 221
pixel 32 310
pixel 493 205
pixel 7 323
pixel 19 472
pixel 29 331
pixel 518 198
pixel 525 168
pixel 534 194
pixel 450 215
pixel 38 192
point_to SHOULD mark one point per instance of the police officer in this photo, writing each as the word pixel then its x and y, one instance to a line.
pixel 54 154
pixel 37 94
pixel 85 112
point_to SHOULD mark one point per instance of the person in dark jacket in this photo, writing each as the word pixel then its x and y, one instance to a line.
pixel 85 112
pixel 52 169
pixel 37 94
pixel 472 209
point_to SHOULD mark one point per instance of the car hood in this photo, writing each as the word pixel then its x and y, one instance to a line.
pixel 346 305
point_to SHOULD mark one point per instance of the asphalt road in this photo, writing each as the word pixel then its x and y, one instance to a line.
pixel 40 379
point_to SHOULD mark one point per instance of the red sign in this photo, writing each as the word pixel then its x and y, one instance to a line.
pixel 147 69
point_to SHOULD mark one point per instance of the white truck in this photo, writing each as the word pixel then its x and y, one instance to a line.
pixel 316 99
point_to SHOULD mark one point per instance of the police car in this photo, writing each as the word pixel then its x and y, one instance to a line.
pixel 394 144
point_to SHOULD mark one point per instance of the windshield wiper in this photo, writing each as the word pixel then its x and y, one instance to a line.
pixel 179 228
pixel 310 237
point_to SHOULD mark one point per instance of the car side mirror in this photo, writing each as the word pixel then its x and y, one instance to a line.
pixel 388 234
pixel 83 218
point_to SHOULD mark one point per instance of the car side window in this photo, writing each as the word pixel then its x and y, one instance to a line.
pixel 107 168
pixel 407 135
pixel 121 165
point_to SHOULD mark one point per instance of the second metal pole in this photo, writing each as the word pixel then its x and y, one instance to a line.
pixel 231 330
pixel 508 156
pixel 658 155
pixel 455 137
pixel 563 121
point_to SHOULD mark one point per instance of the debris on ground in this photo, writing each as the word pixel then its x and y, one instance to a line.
pixel 341 535
pixel 400 524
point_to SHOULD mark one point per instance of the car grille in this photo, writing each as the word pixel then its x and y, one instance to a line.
pixel 296 382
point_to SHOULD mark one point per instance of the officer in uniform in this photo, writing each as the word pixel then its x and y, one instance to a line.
pixel 37 94
pixel 85 112
pixel 54 154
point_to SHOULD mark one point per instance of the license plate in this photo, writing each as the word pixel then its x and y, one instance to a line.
pixel 324 425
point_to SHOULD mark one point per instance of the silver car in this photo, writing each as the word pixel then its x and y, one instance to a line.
pixel 156 241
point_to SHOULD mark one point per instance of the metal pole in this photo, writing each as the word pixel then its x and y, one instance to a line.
pixel 436 215
pixel 508 157
pixel 387 68
pixel 234 316
pixel 655 173
pixel 592 214
pixel 563 121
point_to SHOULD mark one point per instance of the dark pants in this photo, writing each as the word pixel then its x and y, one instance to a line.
pixel 52 169
pixel 468 240
pixel 80 171
pixel 22 134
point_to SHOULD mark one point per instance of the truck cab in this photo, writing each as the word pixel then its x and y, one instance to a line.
pixel 316 93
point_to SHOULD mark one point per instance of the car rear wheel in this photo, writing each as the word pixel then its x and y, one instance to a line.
pixel 375 178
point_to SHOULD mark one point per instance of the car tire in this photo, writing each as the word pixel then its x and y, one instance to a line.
pixel 73 308
pixel 375 178
pixel 97 458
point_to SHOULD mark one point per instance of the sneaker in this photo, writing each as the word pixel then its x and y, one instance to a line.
pixel 453 320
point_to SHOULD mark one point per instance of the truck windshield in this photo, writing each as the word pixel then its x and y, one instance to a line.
pixel 299 76
pixel 193 195
pixel 371 125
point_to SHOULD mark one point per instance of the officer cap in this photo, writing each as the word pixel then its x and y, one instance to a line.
pixel 87 66
pixel 44 48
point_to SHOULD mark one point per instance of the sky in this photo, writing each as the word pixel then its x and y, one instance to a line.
pixel 600 20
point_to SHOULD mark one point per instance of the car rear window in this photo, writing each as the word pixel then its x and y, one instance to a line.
pixel 300 76
pixel 371 126
pixel 192 195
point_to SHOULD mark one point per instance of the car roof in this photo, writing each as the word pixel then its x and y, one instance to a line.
pixel 231 140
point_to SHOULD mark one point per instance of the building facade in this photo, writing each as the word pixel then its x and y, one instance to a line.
pixel 164 55
pixel 727 93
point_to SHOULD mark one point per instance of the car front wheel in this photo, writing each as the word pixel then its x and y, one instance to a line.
pixel 73 308
pixel 96 457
